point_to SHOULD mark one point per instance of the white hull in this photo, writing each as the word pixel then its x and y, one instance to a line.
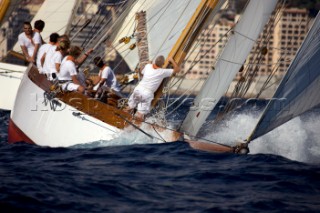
pixel 59 128
pixel 33 120
pixel 10 78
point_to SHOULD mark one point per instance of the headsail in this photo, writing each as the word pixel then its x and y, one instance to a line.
pixel 232 58
pixel 299 90
pixel 166 19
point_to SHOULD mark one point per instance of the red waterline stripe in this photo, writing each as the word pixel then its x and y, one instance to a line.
pixel 16 135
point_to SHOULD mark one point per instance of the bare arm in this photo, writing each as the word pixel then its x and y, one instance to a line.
pixel 176 67
pixel 102 80
pixel 25 53
pixel 35 52
pixel 57 65
pixel 43 58
pixel 97 80
pixel 82 58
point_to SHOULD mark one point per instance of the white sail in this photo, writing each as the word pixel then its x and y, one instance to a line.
pixel 56 14
pixel 10 78
pixel 298 92
pixel 246 32
pixel 166 19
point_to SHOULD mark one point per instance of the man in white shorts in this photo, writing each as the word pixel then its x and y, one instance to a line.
pixel 143 94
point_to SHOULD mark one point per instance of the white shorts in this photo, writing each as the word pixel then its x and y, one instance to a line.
pixel 69 86
pixel 141 98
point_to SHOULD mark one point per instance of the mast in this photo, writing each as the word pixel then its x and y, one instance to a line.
pixel 237 49
pixel 190 33
pixel 298 91
pixel 142 42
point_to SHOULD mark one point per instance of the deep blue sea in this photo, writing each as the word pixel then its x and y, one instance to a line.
pixel 167 177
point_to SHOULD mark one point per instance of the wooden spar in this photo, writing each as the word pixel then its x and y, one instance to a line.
pixel 4 4
pixel 186 39
pixel 17 55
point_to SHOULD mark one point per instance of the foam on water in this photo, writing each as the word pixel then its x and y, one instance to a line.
pixel 298 139
pixel 131 136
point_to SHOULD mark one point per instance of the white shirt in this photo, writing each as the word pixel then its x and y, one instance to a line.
pixel 67 69
pixel 52 57
pixel 111 80
pixel 42 50
pixel 25 41
pixel 152 78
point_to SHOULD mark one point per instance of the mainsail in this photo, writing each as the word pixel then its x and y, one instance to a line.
pixel 245 34
pixel 165 20
pixel 298 92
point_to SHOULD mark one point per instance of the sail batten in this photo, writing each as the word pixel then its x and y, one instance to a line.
pixel 237 49
pixel 298 92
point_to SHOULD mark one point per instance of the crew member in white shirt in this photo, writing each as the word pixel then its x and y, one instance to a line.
pixel 68 71
pixel 44 50
pixel 106 77
pixel 29 42
pixel 53 58
pixel 143 94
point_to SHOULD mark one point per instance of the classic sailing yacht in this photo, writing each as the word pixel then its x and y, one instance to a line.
pixel 56 119
pixel 56 14
pixel 73 118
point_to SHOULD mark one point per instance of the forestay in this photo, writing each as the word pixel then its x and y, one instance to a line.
pixel 298 91
pixel 166 19
pixel 246 32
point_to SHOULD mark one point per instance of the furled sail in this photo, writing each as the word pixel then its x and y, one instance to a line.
pixel 56 14
pixel 166 19
pixel 298 91
pixel 237 49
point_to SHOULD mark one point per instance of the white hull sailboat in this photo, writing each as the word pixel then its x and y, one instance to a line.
pixel 74 119
pixel 38 119
pixel 56 14
pixel 67 119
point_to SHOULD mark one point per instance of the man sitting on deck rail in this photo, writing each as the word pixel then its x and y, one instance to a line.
pixel 143 94
pixel 30 41
pixel 106 78
pixel 68 71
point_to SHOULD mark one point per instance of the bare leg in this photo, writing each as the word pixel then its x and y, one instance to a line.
pixel 139 116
